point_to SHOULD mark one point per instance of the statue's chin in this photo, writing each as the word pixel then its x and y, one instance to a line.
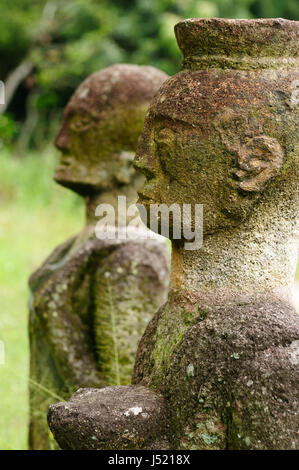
pixel 81 187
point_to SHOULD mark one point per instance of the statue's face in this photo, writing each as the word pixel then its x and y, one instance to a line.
pixel 96 152
pixel 215 156
pixel 182 166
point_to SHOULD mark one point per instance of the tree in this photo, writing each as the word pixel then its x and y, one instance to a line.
pixel 66 40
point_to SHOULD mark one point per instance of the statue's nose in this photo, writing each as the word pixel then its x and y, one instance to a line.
pixel 145 161
pixel 142 163
pixel 62 141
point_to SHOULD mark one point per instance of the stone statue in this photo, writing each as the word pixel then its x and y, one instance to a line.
pixel 92 298
pixel 218 364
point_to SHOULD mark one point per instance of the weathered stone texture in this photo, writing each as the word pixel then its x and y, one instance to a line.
pixel 92 299
pixel 223 132
pixel 105 422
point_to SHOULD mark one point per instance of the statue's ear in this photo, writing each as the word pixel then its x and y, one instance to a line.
pixel 259 160
pixel 259 157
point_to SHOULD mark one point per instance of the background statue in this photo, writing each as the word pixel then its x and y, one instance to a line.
pixel 92 298
pixel 223 352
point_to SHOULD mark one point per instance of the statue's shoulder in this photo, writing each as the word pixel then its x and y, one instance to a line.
pixel 135 248
pixel 51 263
pixel 144 257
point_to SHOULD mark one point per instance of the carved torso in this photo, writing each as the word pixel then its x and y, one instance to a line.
pixel 88 312
pixel 223 351
pixel 220 364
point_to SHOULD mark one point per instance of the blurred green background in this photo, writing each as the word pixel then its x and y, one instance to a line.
pixel 47 48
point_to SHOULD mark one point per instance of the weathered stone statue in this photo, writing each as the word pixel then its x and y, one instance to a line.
pixel 92 298
pixel 218 365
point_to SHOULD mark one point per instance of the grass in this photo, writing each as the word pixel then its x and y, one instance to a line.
pixel 35 216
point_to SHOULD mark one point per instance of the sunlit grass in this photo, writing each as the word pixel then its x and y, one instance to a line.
pixel 36 215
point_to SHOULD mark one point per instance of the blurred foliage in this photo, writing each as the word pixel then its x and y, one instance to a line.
pixel 8 129
pixel 66 40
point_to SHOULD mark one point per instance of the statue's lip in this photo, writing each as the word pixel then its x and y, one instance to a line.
pixel 255 23
pixel 142 194
pixel 265 37
pixel 269 21
pixel 62 166
pixel 144 198
pixel 65 160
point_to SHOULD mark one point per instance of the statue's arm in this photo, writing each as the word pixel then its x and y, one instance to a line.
pixel 63 319
pixel 50 264
pixel 128 289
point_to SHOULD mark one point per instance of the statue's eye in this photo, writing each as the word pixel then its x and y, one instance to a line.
pixel 81 123
pixel 164 135
pixel 165 141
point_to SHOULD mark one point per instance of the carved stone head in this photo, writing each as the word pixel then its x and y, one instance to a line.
pixel 224 130
pixel 101 126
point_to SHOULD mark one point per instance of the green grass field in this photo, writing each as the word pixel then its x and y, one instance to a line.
pixel 36 214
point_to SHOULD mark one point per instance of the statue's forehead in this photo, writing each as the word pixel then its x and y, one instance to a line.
pixel 178 101
pixel 80 106
pixel 91 98
pixel 164 117
pixel 173 120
